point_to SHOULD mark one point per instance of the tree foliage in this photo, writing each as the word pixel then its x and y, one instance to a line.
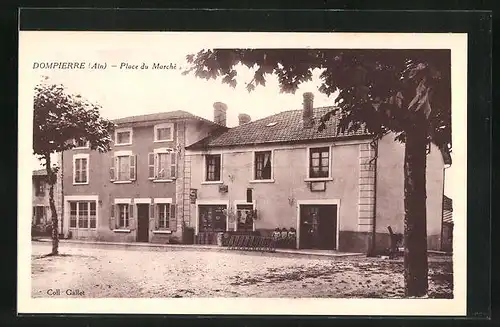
pixel 383 89
pixel 60 117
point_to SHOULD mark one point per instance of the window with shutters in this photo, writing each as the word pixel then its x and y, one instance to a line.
pixel 123 136
pixel 81 168
pixel 123 167
pixel 162 165
pixel 82 214
pixel 164 132
pixel 163 211
pixel 213 168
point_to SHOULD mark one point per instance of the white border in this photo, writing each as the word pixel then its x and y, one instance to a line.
pixel 457 42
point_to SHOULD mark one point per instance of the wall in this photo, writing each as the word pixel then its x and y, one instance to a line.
pixel 107 191
pixel 185 132
pixel 390 191
pixel 276 202
pixel 43 199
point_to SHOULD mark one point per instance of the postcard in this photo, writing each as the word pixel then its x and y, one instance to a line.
pixel 242 173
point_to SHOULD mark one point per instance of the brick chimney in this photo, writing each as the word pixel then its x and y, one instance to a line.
pixel 220 109
pixel 307 110
pixel 243 119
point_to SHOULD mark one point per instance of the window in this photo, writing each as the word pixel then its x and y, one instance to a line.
pixel 81 143
pixel 212 167
pixel 82 214
pixel 123 136
pixel 39 187
pixel 123 167
pixel 123 215
pixel 39 213
pixel 162 165
pixel 263 165
pixel 319 162
pixel 163 132
pixel 244 213
pixel 80 169
pixel 163 212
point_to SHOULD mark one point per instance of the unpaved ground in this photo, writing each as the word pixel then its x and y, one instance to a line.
pixel 115 272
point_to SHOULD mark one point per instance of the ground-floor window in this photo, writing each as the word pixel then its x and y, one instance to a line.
pixel 212 218
pixel 39 215
pixel 123 215
pixel 163 213
pixel 244 217
pixel 82 214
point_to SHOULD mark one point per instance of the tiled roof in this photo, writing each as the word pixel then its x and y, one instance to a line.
pixel 40 172
pixel 171 115
pixel 283 127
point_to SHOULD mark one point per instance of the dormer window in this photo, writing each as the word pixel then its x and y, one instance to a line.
pixel 123 136
pixel 164 132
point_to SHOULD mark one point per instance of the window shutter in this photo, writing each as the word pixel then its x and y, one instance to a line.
pixel 151 165
pixel 112 176
pixel 155 166
pixel 131 215
pixel 116 167
pixel 173 163
pixel 112 219
pixel 133 161
pixel 172 220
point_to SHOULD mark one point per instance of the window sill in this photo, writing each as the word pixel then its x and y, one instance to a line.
pixel 121 230
pixel 161 141
pixel 211 182
pixel 161 180
pixel 319 179
pixel 122 144
pixel 162 232
pixel 81 148
pixel 122 182
pixel 262 181
pixel 86 183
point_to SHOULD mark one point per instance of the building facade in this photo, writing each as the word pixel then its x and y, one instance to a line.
pixel 135 192
pixel 336 191
pixel 41 214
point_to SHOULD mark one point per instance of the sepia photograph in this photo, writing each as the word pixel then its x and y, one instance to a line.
pixel 308 173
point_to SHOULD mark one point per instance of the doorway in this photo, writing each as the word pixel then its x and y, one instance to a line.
pixel 318 227
pixel 143 222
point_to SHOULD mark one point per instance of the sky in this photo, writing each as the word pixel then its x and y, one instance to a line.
pixel 127 92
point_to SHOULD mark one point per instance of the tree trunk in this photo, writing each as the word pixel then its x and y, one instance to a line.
pixel 415 232
pixel 52 177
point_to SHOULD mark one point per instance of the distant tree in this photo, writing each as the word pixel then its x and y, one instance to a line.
pixel 407 92
pixel 60 118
